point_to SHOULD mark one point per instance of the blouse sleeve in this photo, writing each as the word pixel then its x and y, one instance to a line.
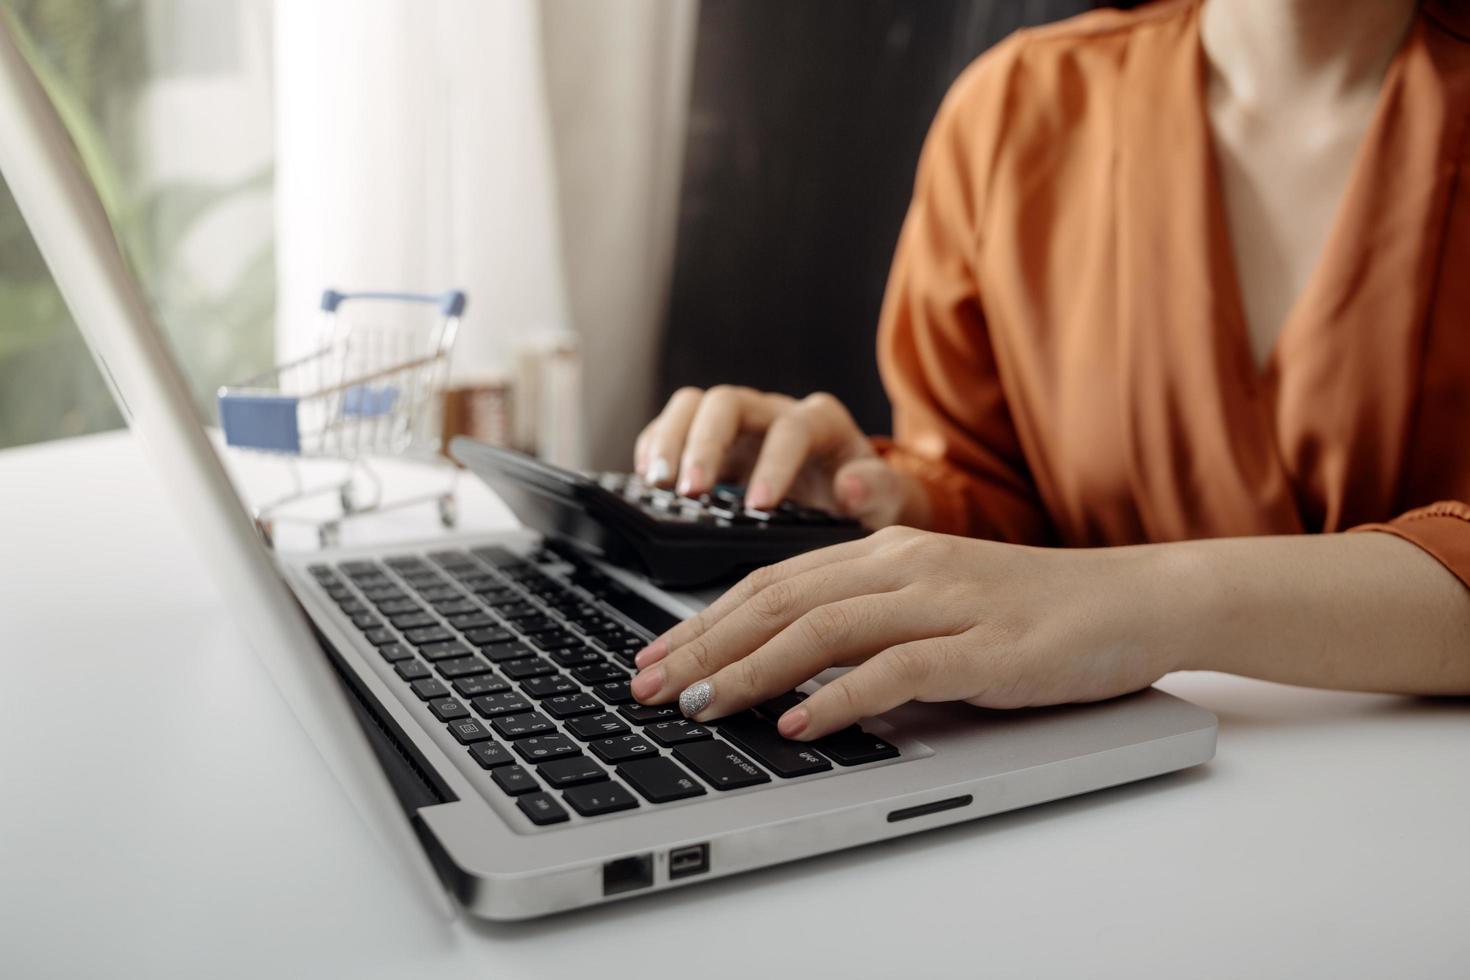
pixel 952 427
pixel 1442 529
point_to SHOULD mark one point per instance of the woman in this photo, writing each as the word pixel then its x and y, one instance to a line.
pixel 1179 288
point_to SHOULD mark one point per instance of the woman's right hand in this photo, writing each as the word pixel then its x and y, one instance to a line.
pixel 808 450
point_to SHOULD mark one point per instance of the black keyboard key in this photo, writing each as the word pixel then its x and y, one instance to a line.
pixel 644 714
pixel 522 725
pixel 448 709
pixel 412 620
pixel 436 593
pixel 780 755
pixel 413 670
pixel 519 610
pixel 429 689
pixel 501 652
pixel 544 748
pixel 462 667
pixel 549 686
pixel 359 567
pixel 622 748
pixel 515 780
pixel 321 572
pixel 531 627
pixel 542 808
pixel 495 555
pixel 480 684
pixel 677 732
pixel 589 727
pixel 381 637
pixel 578 656
pixel 613 692
pixel 562 705
pixel 487 635
pixel 395 652
pixel 447 650
pixel 391 607
pixel 571 771
pixel 367 622
pixel 519 670
pixel 558 641
pixel 351 607
pixel 492 705
pixel 455 606
pixel 473 620
pixel 719 765
pixel 382 594
pixel 491 754
pixel 469 731
pixel 854 747
pixel 595 799
pixel 598 673
pixel 426 635
pixel 773 709
pixel 660 780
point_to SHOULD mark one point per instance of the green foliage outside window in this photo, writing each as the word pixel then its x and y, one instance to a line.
pixel 92 57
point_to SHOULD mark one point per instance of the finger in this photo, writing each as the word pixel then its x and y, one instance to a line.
pixel 669 431
pixel 919 670
pixel 742 592
pixel 818 425
pixel 755 622
pixel 725 411
pixel 641 447
pixel 835 634
pixel 874 492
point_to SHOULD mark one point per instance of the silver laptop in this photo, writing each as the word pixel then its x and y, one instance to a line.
pixel 472 700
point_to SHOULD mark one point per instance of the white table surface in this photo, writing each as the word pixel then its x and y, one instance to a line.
pixel 162 815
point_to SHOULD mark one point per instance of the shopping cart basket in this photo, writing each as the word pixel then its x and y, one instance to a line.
pixel 367 391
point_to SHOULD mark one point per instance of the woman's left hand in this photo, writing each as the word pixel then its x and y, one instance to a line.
pixel 926 617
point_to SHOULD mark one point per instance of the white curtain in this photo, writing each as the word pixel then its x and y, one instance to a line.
pixel 526 152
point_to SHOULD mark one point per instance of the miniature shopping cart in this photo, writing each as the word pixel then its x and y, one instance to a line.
pixel 367 391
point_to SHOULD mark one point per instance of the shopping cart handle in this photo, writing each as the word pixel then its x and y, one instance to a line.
pixel 450 303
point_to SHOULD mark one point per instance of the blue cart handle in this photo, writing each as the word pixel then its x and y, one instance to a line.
pixel 450 303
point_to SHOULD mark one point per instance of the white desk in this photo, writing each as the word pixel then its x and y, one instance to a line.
pixel 161 815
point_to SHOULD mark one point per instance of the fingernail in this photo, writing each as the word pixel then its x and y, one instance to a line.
pixel 759 495
pixel 652 654
pixel 659 470
pixel 794 722
pixel 853 492
pixel 696 698
pixel 647 683
pixel 693 476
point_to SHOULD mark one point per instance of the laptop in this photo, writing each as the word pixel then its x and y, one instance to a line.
pixel 472 699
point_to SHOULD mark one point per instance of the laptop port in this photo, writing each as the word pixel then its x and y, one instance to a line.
pixel 627 874
pixel 692 859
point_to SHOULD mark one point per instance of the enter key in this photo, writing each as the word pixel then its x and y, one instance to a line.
pixel 780 755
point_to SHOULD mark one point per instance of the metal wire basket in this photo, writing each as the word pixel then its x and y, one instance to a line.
pixel 368 391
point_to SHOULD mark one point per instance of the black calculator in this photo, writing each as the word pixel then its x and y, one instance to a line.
pixel 674 540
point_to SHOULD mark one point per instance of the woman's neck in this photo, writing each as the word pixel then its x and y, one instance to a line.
pixel 1332 48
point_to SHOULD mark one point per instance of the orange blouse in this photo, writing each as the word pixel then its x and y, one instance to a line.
pixel 1063 336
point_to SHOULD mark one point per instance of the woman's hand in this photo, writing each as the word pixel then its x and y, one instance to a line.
pixel 808 450
pixel 926 617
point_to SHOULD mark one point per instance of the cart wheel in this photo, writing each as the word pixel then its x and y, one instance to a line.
pixel 345 498
pixel 328 534
pixel 448 512
pixel 266 531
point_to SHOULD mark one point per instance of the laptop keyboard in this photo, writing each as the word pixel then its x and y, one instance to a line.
pixel 529 671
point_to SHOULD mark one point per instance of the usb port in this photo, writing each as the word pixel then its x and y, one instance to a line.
pixel 691 859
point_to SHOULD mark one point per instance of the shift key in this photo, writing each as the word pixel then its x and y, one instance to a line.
pixel 719 765
pixel 782 756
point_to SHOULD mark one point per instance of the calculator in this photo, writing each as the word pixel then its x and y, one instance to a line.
pixel 674 540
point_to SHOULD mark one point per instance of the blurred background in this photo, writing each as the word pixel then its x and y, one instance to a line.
pixel 665 191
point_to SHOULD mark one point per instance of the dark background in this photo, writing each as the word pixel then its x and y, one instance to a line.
pixel 806 120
